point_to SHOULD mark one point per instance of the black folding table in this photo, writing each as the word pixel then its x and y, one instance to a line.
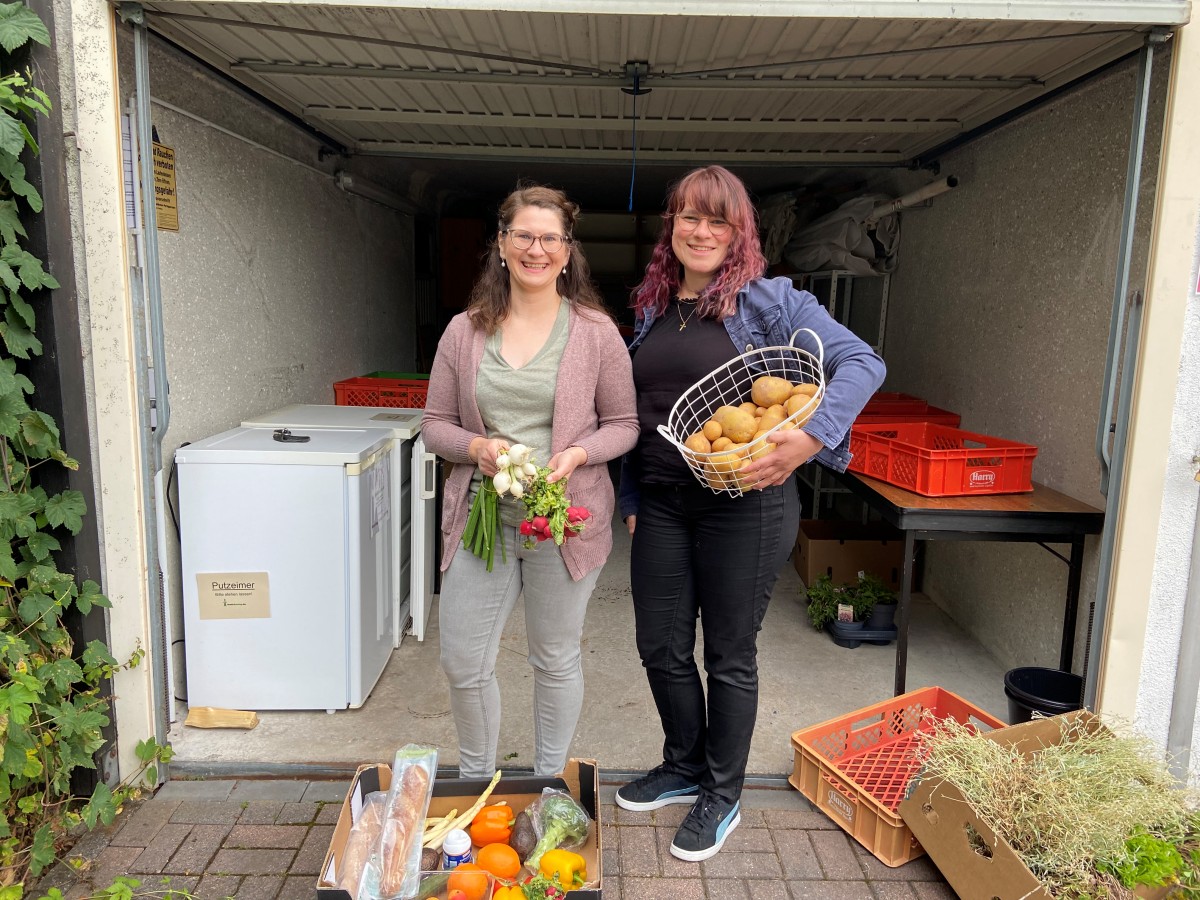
pixel 1042 516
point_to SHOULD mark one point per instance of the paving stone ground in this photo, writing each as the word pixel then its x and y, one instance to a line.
pixel 265 840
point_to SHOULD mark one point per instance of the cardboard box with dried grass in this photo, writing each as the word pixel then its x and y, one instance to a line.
pixel 978 863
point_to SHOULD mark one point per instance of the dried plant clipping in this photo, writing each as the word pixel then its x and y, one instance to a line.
pixel 1090 816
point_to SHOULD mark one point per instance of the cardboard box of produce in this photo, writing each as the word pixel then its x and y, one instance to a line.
pixel 581 779
pixel 942 820
pixel 843 549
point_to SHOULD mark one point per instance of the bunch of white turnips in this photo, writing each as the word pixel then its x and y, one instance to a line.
pixel 514 471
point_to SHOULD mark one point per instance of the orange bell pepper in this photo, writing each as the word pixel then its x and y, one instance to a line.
pixel 492 825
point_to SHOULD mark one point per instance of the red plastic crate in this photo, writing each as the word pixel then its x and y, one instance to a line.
pixel 939 461
pixel 856 767
pixel 894 402
pixel 393 389
pixel 888 406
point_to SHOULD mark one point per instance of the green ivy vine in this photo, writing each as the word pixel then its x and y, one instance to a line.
pixel 51 707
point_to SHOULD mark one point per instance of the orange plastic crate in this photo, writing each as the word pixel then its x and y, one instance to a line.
pixel 856 768
pixel 401 390
pixel 889 406
pixel 939 461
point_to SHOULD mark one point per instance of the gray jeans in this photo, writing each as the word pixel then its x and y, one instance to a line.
pixel 472 609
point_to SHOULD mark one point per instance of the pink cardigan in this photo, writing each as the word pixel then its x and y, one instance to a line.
pixel 594 408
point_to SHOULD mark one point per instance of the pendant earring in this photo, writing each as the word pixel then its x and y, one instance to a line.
pixel 503 264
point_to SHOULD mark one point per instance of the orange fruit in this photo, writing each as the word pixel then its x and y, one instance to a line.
pixel 469 878
pixel 499 859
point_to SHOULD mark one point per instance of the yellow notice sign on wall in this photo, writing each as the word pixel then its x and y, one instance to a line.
pixel 166 206
pixel 234 595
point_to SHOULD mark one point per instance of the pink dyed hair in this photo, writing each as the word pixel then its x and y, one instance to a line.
pixel 711 191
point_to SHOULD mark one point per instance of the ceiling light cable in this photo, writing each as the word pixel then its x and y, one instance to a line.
pixel 635 70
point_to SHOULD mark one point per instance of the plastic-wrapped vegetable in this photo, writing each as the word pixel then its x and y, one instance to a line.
pixel 361 842
pixel 559 821
pixel 395 868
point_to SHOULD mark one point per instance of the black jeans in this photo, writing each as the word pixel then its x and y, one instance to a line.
pixel 696 553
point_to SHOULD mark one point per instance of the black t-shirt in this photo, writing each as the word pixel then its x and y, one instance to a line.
pixel 670 360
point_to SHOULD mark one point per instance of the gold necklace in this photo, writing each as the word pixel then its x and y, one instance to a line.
pixel 683 323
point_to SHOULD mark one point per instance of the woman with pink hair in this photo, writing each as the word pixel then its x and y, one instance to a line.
pixel 697 553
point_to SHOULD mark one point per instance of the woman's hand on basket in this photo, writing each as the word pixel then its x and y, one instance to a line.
pixel 483 452
pixel 792 450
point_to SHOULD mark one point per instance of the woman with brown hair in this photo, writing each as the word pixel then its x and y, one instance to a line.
pixel 536 359
pixel 697 553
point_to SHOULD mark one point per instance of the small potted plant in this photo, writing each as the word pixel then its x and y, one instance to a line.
pixel 878 600
pixel 824 597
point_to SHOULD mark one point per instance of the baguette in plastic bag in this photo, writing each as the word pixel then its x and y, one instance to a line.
pixel 395 868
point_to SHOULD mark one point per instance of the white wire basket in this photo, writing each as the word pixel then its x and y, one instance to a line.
pixel 730 385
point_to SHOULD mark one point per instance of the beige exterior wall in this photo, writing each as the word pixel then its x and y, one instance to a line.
pixel 89 103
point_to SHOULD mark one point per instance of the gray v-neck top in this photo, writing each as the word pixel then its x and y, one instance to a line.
pixel 518 404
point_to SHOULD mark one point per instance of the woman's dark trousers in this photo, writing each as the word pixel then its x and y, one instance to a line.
pixel 716 557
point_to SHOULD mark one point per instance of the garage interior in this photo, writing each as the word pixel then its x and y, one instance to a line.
pixel 338 169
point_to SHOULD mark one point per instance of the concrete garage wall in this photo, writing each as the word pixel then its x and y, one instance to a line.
pixel 278 283
pixel 1000 310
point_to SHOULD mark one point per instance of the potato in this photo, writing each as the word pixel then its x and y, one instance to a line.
pixel 720 469
pixel 797 402
pixel 721 443
pixel 712 429
pixel 737 425
pixel 760 449
pixel 698 443
pixel 748 407
pixel 771 419
pixel 806 413
pixel 769 390
pixel 759 410
pixel 804 388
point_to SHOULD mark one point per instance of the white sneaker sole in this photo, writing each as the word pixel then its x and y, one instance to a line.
pixel 700 855
pixel 634 806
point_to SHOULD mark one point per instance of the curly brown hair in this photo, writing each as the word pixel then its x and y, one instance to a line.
pixel 490 297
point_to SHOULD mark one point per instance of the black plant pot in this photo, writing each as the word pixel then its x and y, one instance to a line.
pixel 883 615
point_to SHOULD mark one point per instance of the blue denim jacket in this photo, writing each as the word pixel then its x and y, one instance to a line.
pixel 769 311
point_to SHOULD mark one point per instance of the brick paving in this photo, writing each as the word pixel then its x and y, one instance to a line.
pixel 266 840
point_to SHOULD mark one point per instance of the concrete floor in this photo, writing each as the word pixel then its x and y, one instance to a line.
pixel 805 679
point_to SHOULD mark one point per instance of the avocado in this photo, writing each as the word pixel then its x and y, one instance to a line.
pixel 523 838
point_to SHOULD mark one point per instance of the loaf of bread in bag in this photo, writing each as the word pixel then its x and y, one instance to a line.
pixel 403 823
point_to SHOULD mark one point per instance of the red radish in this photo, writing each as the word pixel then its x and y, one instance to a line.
pixel 526 528
pixel 540 523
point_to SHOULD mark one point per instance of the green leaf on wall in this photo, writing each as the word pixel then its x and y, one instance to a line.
pixel 19 24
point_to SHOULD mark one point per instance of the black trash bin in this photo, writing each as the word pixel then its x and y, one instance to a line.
pixel 1047 691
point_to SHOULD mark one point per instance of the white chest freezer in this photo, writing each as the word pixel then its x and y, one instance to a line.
pixel 286 544
pixel 414 492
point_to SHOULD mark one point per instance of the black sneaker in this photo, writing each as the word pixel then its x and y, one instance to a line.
pixel 655 789
pixel 706 827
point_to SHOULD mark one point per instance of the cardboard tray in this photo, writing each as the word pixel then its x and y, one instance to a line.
pixel 940 819
pixel 581 779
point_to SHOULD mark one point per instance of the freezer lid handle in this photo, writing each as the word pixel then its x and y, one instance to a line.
pixel 285 436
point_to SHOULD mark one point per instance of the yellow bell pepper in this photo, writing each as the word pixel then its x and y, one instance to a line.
pixel 509 892
pixel 567 868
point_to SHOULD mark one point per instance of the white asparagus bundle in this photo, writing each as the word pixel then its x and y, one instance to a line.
pixel 437 835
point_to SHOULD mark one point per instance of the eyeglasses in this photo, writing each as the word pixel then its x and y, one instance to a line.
pixel 523 240
pixel 690 222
